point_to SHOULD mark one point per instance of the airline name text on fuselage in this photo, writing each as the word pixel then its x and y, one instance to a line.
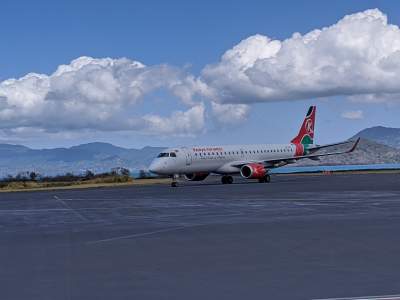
pixel 208 149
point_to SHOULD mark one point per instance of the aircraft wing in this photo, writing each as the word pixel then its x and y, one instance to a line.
pixel 318 147
pixel 278 162
pixel 311 156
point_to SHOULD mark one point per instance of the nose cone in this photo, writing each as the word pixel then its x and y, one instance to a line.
pixel 156 166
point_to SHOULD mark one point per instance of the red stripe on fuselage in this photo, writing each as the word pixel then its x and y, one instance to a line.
pixel 299 149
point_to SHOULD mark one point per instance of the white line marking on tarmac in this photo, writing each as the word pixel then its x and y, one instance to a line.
pixel 136 235
pixel 71 209
pixel 144 234
pixel 383 297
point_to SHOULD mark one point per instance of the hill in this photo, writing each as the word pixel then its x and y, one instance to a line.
pixel 382 135
pixel 101 157
pixel 367 152
pixel 97 157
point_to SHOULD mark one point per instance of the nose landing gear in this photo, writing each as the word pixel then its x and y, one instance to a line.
pixel 174 182
pixel 226 179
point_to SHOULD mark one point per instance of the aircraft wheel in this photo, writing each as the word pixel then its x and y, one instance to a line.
pixel 226 179
pixel 174 184
pixel 267 178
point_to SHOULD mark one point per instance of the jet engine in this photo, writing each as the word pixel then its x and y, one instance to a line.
pixel 196 176
pixel 253 171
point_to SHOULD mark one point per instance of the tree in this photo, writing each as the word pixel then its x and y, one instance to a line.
pixel 125 172
pixel 33 176
pixel 89 174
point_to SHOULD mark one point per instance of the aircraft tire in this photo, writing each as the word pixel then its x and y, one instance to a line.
pixel 226 179
pixel 267 178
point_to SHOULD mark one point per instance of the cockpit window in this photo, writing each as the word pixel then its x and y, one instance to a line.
pixel 166 154
pixel 163 154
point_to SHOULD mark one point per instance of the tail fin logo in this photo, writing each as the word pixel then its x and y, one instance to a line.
pixel 309 126
pixel 306 133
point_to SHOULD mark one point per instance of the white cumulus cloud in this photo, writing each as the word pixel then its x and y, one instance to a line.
pixel 353 114
pixel 360 54
pixel 180 123
pixel 96 94
pixel 230 113
pixel 359 57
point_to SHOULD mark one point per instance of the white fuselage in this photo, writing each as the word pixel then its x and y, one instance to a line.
pixel 217 159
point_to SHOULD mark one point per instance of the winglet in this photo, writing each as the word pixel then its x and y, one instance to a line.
pixel 354 146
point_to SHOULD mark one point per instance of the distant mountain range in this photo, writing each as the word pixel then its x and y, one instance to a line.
pixel 97 157
pixel 378 145
pixel 382 135
pixel 367 152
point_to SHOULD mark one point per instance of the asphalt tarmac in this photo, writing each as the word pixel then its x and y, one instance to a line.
pixel 298 237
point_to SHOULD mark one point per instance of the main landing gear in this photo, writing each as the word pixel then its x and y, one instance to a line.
pixel 226 179
pixel 266 179
pixel 174 182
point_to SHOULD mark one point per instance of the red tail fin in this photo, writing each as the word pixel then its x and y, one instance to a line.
pixel 306 133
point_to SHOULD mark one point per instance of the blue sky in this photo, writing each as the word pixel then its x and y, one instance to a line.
pixel 38 36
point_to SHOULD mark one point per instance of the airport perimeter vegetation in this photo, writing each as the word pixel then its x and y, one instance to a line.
pixel 111 179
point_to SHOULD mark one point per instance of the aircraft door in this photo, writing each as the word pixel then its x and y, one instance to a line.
pixel 188 158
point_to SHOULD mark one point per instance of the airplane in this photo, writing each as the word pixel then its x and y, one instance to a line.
pixel 250 161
